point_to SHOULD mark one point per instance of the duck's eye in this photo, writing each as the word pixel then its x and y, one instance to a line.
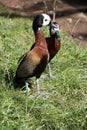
pixel 45 19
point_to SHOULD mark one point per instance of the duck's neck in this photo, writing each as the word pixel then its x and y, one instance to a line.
pixel 57 36
pixel 40 39
pixel 35 29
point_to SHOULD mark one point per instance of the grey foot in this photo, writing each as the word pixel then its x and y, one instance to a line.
pixel 48 76
pixel 30 96
pixel 44 95
pixel 51 76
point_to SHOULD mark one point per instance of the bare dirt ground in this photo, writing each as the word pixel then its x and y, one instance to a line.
pixel 71 15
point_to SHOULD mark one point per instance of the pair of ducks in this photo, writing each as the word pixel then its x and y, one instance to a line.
pixel 34 62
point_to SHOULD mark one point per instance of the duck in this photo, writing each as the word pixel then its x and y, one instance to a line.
pixel 33 63
pixel 53 44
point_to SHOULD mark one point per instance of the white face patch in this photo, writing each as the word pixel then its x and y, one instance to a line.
pixel 46 19
pixel 54 28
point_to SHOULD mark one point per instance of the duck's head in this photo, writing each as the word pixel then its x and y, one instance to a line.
pixel 54 28
pixel 40 21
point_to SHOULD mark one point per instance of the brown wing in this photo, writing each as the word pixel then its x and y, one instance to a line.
pixel 27 64
pixel 22 58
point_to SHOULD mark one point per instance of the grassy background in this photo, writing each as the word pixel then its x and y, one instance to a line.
pixel 66 108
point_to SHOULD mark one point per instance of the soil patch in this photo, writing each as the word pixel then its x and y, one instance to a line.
pixel 71 15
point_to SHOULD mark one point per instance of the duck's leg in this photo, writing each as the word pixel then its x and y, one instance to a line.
pixel 43 94
pixel 37 86
pixel 49 69
pixel 50 73
pixel 27 88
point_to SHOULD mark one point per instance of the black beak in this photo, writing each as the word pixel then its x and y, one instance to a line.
pixel 50 24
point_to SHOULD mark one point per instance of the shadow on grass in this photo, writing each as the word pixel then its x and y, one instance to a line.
pixel 13 15
pixel 11 81
pixel 8 78
pixel 75 3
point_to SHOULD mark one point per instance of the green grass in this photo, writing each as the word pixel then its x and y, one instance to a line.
pixel 66 108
